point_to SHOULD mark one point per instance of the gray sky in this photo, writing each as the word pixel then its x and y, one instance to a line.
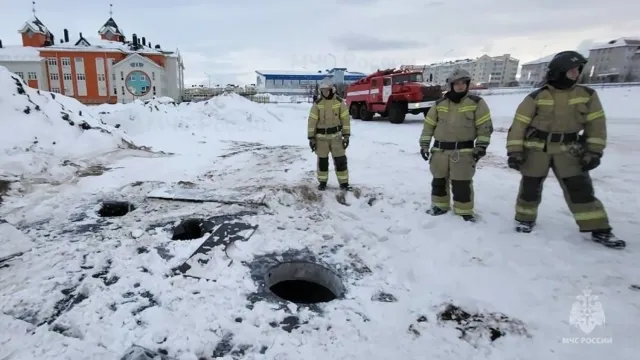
pixel 230 39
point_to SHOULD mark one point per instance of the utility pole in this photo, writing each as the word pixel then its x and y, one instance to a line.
pixel 209 77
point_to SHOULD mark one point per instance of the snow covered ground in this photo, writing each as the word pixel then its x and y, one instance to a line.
pixel 92 286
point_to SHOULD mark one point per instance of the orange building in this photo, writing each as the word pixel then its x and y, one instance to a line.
pixel 108 69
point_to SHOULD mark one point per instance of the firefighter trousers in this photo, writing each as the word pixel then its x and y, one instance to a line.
pixel 453 168
pixel 577 187
pixel 331 145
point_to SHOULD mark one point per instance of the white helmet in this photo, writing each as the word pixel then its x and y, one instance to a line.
pixel 326 84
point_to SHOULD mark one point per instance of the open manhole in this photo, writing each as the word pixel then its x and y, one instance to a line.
pixel 115 208
pixel 304 283
pixel 189 229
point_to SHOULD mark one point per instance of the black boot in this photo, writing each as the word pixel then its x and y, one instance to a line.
pixel 436 211
pixel 345 187
pixel 606 238
pixel 524 227
pixel 322 186
pixel 469 218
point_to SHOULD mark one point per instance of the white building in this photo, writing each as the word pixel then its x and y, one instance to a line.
pixel 491 71
pixel 109 69
pixel 300 82
pixel 614 61
pixel 533 72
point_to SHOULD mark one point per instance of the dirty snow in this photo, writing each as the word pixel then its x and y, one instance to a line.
pixel 48 136
pixel 405 272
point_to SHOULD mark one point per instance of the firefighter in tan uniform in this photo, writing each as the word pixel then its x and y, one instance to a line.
pixel 328 132
pixel 461 126
pixel 546 134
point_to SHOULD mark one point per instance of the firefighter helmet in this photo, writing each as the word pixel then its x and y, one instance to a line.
pixel 326 84
pixel 565 61
pixel 458 75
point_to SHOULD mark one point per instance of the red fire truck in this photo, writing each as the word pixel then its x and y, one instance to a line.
pixel 392 93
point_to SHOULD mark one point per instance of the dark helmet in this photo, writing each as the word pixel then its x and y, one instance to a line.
pixel 565 61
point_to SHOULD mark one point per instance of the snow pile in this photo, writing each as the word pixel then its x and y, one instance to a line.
pixel 41 133
pixel 224 113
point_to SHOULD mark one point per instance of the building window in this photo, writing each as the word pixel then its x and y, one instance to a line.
pixel 66 76
pixel 153 75
pixel 55 90
pixel 142 77
pixel 54 76
pixel 81 77
pixel 101 77
pixel 52 61
pixel 154 90
pixel 21 74
pixel 66 61
pixel 113 76
pixel 122 90
pixel 79 59
pixel 32 75
pixel 122 75
pixel 115 91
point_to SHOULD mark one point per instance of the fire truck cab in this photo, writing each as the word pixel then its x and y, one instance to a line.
pixel 391 93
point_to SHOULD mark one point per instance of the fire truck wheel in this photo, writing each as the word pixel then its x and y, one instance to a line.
pixel 365 114
pixel 354 111
pixel 397 113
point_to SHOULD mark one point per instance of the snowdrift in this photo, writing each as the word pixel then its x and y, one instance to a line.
pixel 224 113
pixel 42 133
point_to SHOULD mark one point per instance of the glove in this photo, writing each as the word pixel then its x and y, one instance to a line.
pixel 515 161
pixel 424 152
pixel 590 160
pixel 312 145
pixel 479 152
pixel 345 141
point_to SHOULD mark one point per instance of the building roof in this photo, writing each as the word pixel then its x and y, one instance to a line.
pixel 100 45
pixel 19 53
pixel 620 42
pixel 542 60
pixel 111 26
pixel 35 25
pixel 319 73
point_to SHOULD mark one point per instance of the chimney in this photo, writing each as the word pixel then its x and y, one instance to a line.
pixel 157 46
pixel 134 39
pixel 144 41
pixel 0 44
pixel 81 37
pixel 66 35
pixel 150 44
pixel 61 41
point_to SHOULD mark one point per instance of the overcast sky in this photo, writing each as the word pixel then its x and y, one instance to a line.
pixel 230 39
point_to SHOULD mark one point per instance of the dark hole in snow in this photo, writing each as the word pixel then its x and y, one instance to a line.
pixel 304 283
pixel 188 229
pixel 115 208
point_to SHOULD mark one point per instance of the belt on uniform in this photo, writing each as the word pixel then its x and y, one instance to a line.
pixel 453 145
pixel 329 131
pixel 563 138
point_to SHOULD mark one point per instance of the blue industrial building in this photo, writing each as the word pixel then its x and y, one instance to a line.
pixel 299 82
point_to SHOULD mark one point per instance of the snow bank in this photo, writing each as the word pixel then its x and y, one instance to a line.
pixel 228 113
pixel 41 133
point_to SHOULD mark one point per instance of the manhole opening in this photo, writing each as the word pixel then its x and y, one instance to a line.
pixel 115 208
pixel 304 283
pixel 188 229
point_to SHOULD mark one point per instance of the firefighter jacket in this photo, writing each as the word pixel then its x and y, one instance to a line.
pixel 328 117
pixel 555 111
pixel 468 120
